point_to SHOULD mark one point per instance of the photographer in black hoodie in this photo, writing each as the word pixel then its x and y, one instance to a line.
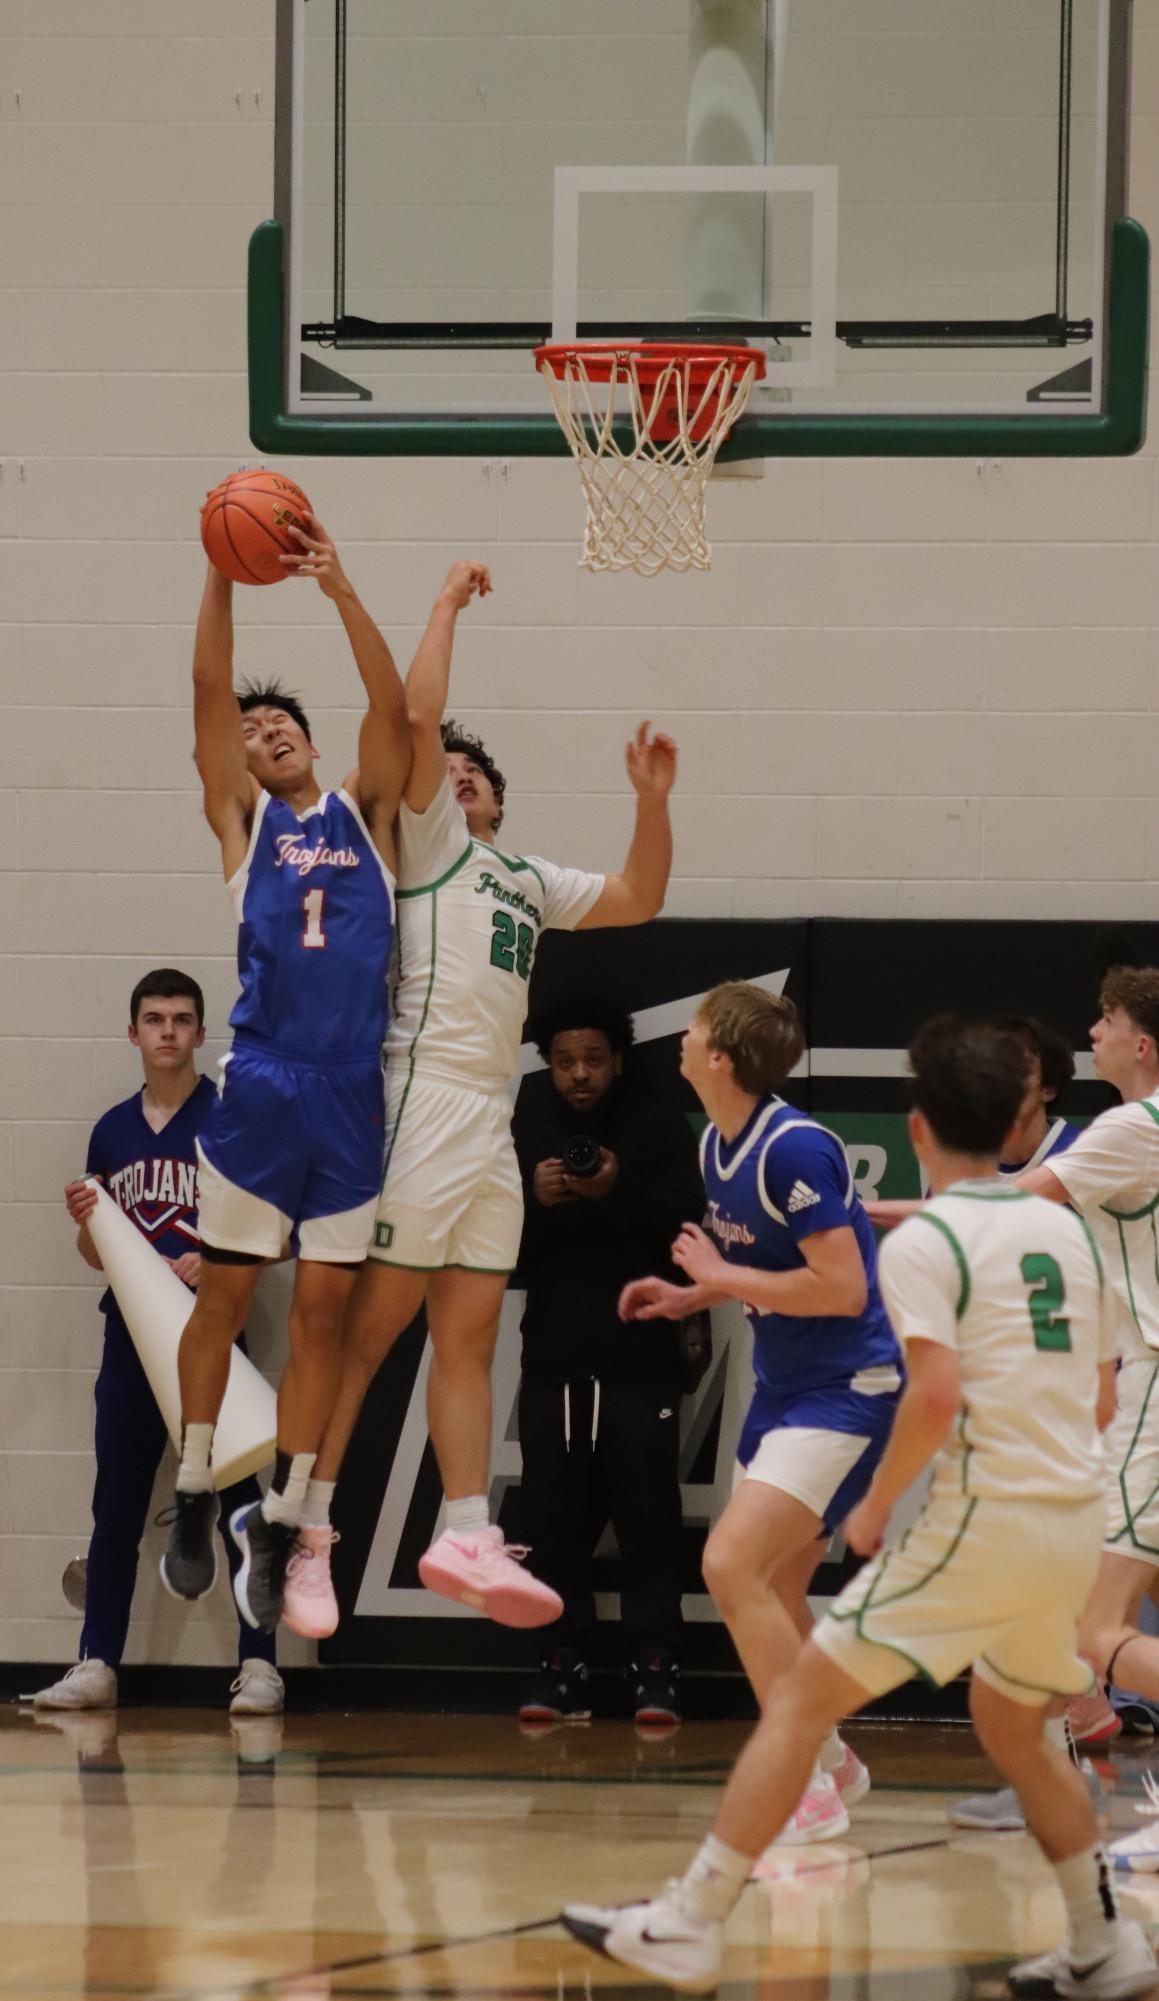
pixel 609 1175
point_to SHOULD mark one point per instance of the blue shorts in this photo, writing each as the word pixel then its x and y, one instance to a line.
pixel 822 1447
pixel 291 1153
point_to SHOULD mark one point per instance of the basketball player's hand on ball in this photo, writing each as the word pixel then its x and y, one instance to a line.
pixel 651 763
pixel 465 580
pixel 80 1201
pixel 318 558
pixel 653 1299
pixel 697 1255
pixel 866 1526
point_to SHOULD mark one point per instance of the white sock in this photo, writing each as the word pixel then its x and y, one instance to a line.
pixel 193 1474
pixel 714 1881
pixel 1091 1910
pixel 469 1516
pixel 316 1506
pixel 831 1753
pixel 1057 1731
pixel 286 1506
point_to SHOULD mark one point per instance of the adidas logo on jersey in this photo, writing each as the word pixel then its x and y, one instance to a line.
pixel 802 1197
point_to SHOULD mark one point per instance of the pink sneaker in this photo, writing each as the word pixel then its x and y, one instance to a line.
pixel 820 1816
pixel 480 1569
pixel 850 1777
pixel 310 1607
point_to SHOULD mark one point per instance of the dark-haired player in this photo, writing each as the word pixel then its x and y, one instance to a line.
pixel 448 1223
pixel 1037 1132
pixel 789 1239
pixel 144 1152
pixel 292 1150
pixel 999 1299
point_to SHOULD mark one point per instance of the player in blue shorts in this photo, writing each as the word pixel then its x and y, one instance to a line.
pixel 790 1240
pixel 292 1150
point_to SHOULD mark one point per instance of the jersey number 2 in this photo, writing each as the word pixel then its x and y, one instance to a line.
pixel 313 936
pixel 511 949
pixel 1043 1275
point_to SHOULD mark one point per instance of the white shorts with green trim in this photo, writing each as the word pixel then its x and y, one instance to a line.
pixel 1131 1457
pixel 993 1585
pixel 452 1194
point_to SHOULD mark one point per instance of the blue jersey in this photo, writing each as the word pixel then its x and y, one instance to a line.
pixel 782 1179
pixel 152 1176
pixel 315 908
pixel 1060 1135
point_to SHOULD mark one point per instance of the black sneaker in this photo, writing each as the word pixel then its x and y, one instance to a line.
pixel 559 1693
pixel 657 1688
pixel 266 1547
pixel 189 1565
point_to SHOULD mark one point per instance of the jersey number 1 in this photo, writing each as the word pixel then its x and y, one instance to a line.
pixel 1043 1275
pixel 313 936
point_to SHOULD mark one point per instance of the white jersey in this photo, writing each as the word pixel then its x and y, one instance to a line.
pixel 469 920
pixel 1111 1174
pixel 1014 1285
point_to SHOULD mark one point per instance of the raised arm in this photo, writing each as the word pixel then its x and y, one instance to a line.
pixel 637 893
pixel 219 746
pixel 429 680
pixel 384 739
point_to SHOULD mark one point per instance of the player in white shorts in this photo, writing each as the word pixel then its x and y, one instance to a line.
pixel 470 914
pixel 999 1299
pixel 1111 1176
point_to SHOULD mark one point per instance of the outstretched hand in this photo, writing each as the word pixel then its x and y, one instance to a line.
pixel 651 763
pixel 653 1299
pixel 465 579
pixel 317 558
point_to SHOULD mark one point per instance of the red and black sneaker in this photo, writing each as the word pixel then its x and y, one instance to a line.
pixel 657 1688
pixel 559 1693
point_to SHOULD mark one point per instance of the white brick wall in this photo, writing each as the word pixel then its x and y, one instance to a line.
pixel 904 689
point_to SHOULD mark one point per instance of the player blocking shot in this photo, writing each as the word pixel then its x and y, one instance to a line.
pixel 292 1151
pixel 1009 1334
pixel 788 1237
pixel 448 1225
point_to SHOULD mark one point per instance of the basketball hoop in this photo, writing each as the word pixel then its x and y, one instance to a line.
pixel 674 405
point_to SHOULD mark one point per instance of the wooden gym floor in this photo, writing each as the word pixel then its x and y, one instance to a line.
pixel 161 1854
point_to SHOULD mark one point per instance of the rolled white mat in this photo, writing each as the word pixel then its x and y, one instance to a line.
pixel 156 1307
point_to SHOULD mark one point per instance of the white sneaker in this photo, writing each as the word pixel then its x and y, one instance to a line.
pixel 657 1938
pixel 88 1685
pixel 258 1691
pixel 820 1816
pixel 850 1777
pixel 1129 1968
pixel 1139 1853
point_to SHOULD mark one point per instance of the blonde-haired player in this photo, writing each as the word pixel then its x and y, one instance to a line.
pixel 1000 1301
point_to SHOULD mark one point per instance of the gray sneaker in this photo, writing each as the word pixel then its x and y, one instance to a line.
pixel 189 1565
pixel 266 1547
pixel 1001 1812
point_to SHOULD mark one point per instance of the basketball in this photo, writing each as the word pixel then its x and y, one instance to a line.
pixel 244 525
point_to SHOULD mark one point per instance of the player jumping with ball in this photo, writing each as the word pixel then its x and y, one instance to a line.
pixel 292 1149
pixel 448 1224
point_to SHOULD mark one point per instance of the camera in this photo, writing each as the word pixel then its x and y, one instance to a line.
pixel 581 1156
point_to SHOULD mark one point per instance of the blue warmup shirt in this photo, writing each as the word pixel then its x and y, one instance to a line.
pixel 781 1180
pixel 152 1176
pixel 315 908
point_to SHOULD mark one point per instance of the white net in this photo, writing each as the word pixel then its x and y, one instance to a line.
pixel 644 489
